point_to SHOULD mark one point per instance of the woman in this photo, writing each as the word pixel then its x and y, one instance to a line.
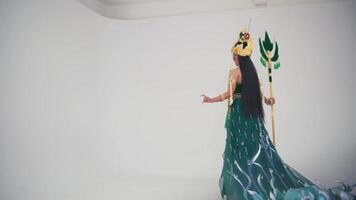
pixel 252 168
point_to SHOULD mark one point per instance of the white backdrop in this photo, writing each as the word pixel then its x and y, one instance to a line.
pixel 87 100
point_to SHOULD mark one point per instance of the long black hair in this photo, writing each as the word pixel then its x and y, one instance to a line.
pixel 251 92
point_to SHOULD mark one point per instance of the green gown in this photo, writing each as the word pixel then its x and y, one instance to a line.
pixel 252 168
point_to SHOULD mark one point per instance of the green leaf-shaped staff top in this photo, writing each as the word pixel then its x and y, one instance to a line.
pixel 266 48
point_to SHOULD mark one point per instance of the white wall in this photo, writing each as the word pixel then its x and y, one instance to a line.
pixel 86 100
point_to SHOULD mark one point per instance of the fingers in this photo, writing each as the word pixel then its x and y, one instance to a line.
pixel 266 101
pixel 272 100
pixel 205 99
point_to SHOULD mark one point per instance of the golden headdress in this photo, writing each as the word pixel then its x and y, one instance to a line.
pixel 244 45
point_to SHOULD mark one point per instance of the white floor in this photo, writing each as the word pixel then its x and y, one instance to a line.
pixel 153 188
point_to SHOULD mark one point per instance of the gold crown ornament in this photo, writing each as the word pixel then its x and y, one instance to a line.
pixel 244 45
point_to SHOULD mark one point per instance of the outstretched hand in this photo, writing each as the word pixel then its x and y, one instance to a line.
pixel 206 99
pixel 270 101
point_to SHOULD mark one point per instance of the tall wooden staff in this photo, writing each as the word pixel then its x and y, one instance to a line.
pixel 268 60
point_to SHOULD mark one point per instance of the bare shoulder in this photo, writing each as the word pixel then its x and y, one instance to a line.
pixel 235 73
pixel 236 70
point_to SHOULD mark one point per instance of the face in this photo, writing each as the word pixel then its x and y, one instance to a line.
pixel 236 61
